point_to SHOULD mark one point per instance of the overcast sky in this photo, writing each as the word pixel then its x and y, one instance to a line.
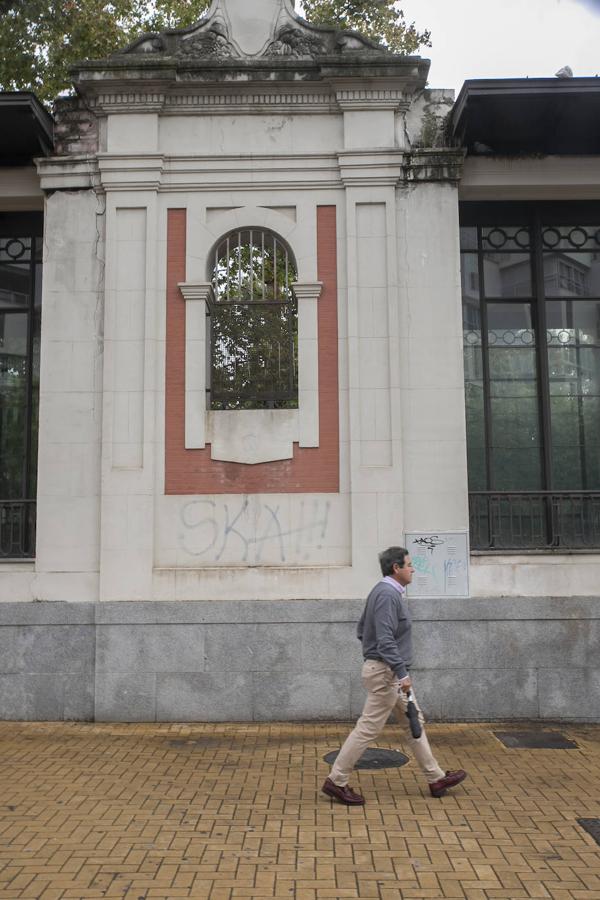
pixel 507 38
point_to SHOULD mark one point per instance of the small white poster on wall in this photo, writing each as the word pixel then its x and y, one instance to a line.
pixel 441 563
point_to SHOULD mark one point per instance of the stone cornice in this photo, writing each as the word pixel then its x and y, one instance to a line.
pixel 363 94
pixel 72 173
pixel 131 172
pixel 436 164
pixel 370 167
pixel 108 98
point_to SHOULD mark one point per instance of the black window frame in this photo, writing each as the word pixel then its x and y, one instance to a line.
pixel 18 514
pixel 529 521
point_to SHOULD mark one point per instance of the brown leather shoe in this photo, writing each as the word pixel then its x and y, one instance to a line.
pixel 438 788
pixel 343 794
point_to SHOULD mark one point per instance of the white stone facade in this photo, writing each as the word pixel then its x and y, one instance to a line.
pixel 265 151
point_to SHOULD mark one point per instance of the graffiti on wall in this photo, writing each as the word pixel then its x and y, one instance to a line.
pixel 253 532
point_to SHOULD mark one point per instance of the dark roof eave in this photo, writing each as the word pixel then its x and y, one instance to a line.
pixel 17 106
pixel 538 115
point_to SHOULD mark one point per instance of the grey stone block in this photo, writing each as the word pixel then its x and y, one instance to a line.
pixel 570 694
pixel 78 697
pixel 543 643
pixel 45 613
pixel 500 608
pixel 252 648
pixel 445 645
pixel 304 695
pixel 150 648
pixel 330 647
pixel 125 697
pixel 36 698
pixel 477 693
pixel 47 648
pixel 11 657
pixel 225 697
pixel 223 612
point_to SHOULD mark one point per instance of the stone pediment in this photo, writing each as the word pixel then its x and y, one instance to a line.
pixel 251 30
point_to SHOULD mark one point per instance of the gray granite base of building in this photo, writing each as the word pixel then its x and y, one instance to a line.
pixel 477 659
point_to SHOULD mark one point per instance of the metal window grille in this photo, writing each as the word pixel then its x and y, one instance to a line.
pixel 253 323
pixel 17 529
pixel 535 520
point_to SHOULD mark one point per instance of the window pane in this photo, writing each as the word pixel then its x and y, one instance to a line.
pixel 468 238
pixel 574 373
pixel 572 274
pixel 14 285
pixel 469 273
pixel 515 422
pixel 474 398
pixel 13 404
pixel 507 275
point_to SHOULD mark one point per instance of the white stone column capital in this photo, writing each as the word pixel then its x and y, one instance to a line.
pixel 307 290
pixel 197 290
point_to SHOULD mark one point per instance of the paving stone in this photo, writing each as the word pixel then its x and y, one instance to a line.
pixel 209 811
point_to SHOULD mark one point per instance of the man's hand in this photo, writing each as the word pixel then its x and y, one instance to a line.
pixel 405 684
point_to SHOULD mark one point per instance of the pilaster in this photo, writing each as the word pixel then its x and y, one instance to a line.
pixel 307 295
pixel 198 296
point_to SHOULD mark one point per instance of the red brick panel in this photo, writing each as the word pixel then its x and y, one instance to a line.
pixel 312 470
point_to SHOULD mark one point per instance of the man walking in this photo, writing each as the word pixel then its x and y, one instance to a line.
pixel 385 631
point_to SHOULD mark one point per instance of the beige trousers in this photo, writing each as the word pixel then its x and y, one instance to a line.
pixel 384 696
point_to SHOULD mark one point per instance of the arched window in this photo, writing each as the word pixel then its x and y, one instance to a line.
pixel 253 323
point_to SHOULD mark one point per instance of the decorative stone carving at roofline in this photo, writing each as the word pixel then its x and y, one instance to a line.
pixel 251 29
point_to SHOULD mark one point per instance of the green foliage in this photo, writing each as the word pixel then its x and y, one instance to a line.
pixel 379 20
pixel 254 326
pixel 41 39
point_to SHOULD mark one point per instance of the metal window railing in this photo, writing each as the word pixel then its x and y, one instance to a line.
pixel 253 323
pixel 534 520
pixel 17 529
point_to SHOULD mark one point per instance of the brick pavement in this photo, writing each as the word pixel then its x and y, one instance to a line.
pixel 234 811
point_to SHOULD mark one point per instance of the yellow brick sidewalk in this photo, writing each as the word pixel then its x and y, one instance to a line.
pixel 228 811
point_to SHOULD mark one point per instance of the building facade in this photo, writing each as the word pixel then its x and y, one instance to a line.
pixel 232 287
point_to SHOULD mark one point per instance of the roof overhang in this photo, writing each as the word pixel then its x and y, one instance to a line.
pixel 528 116
pixel 26 129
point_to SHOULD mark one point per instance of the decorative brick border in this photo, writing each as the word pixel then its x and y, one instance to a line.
pixel 312 470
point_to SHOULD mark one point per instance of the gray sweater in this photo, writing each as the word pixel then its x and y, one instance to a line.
pixel 385 628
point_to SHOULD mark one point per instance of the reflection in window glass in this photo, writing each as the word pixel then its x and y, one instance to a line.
pixel 507 275
pixel 515 426
pixel 468 238
pixel 469 272
pixel 572 274
pixel 474 396
pixel 13 404
pixel 573 338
